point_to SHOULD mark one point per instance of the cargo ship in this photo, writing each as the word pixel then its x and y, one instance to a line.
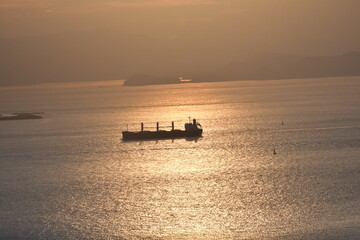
pixel 192 129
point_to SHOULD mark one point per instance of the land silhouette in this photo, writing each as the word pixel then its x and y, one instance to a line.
pixel 141 60
pixel 20 116
pixel 99 55
pixel 268 66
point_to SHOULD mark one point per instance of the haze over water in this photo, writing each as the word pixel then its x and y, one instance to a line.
pixel 70 176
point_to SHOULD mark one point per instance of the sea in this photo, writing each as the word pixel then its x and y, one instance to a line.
pixel 70 175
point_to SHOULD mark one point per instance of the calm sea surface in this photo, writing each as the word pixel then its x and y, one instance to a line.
pixel 70 176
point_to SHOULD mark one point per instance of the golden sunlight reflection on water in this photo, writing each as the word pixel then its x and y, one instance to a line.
pixel 71 177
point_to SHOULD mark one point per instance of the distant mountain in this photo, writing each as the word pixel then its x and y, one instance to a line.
pixel 99 55
pixel 84 56
pixel 268 66
pixel 281 66
pixel 110 55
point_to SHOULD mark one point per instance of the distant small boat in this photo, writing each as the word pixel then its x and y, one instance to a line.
pixel 193 129
pixel 185 80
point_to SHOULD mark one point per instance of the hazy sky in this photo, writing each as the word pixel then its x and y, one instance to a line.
pixel 76 40
pixel 297 26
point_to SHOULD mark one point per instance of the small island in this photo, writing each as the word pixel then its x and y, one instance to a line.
pixel 20 116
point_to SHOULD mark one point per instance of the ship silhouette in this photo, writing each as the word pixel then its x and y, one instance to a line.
pixel 192 129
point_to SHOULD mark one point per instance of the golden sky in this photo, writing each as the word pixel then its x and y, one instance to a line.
pixel 112 39
pixel 325 26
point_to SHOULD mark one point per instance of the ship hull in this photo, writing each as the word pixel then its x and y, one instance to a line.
pixel 160 134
